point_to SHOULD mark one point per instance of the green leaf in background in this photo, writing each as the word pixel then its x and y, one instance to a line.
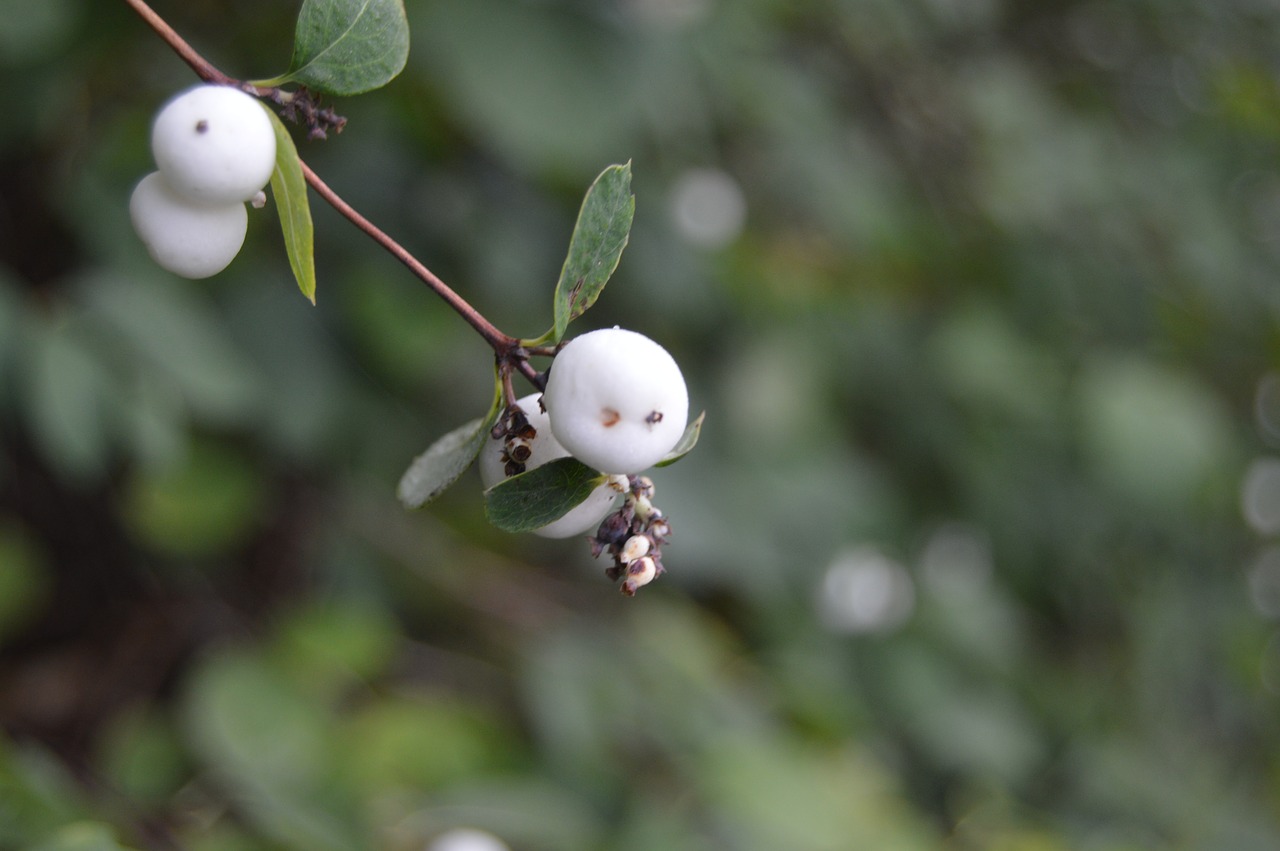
pixel 65 383
pixel 289 188
pixel 83 836
pixel 25 578
pixel 443 462
pixel 535 498
pixel 604 225
pixel 345 47
pixel 206 504
pixel 274 748
pixel 687 441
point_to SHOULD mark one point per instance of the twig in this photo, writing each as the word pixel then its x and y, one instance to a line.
pixel 506 347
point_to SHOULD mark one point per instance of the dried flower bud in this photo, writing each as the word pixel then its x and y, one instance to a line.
pixel 519 450
pixel 614 529
pixel 642 486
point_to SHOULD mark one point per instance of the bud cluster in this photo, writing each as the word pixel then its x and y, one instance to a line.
pixel 303 107
pixel 634 535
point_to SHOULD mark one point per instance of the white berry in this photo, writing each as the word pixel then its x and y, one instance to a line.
pixel 617 400
pixel 214 144
pixel 544 447
pixel 191 240
pixel 467 839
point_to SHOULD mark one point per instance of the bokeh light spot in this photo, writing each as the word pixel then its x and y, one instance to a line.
pixel 708 207
pixel 1260 495
pixel 865 591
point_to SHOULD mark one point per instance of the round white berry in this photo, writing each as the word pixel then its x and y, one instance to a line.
pixel 191 240
pixel 617 400
pixel 214 144
pixel 467 839
pixel 544 447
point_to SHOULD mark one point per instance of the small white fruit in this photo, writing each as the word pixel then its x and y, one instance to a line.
pixel 467 839
pixel 190 240
pixel 582 518
pixel 617 400
pixel 214 144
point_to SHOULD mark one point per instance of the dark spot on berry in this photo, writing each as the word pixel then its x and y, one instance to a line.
pixel 202 126
pixel 654 417
pixel 610 418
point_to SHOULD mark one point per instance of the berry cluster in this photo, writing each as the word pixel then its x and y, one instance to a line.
pixel 215 149
pixel 634 535
pixel 617 402
pixel 524 439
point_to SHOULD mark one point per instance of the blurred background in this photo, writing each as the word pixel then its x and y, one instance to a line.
pixel 981 545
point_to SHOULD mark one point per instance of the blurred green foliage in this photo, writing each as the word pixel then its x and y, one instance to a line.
pixel 977 550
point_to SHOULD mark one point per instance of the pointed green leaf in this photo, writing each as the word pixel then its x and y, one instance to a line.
pixel 431 473
pixel 687 441
pixel 289 188
pixel 440 466
pixel 345 47
pixel 604 225
pixel 544 494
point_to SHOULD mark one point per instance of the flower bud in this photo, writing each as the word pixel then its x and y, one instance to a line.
pixel 635 547
pixel 639 574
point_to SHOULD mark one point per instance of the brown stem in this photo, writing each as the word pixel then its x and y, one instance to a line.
pixel 505 346
pixel 203 68
pixel 502 344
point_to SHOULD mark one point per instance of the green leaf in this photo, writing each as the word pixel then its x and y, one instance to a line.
pixel 687 441
pixel 544 494
pixel 67 386
pixel 83 836
pixel 345 47
pixel 289 188
pixel 441 465
pixel 604 225
pixel 276 749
